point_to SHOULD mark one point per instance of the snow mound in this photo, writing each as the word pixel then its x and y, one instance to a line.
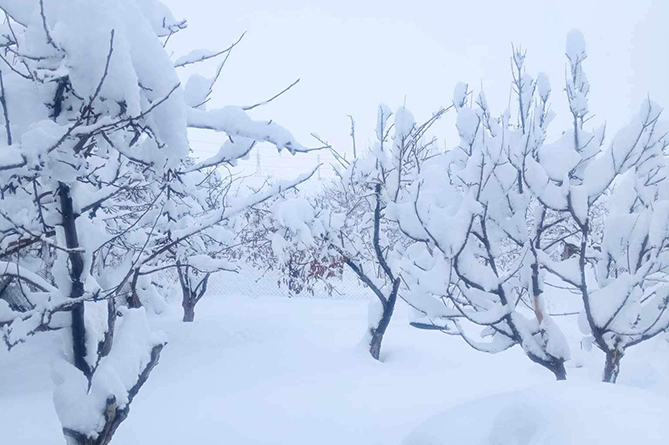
pixel 555 414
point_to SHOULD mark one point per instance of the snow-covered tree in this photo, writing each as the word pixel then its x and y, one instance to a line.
pixel 193 232
pixel 221 240
pixel 472 263
pixel 622 281
pixel 348 223
pixel 87 85
pixel 95 175
pixel 187 225
pixel 487 217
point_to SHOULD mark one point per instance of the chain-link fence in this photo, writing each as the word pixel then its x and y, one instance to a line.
pixel 257 283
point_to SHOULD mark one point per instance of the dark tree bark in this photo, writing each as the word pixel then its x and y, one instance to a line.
pixel 133 299
pixel 612 366
pixel 560 372
pixel 189 309
pixel 389 302
pixel 106 346
pixel 190 296
pixel 379 331
pixel 114 415
pixel 76 271
pixel 557 368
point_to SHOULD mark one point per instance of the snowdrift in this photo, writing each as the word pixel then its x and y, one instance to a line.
pixel 557 414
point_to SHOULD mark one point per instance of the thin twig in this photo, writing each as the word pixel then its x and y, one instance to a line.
pixel 104 74
pixel 265 102
pixel 49 40
pixel 3 101
pixel 210 56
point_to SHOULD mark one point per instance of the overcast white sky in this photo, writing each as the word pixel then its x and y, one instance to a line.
pixel 352 55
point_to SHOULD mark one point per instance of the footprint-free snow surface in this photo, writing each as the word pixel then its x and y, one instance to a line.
pixel 553 414
pixel 287 371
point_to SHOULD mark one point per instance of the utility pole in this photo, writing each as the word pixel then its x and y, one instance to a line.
pixel 355 155
pixel 258 163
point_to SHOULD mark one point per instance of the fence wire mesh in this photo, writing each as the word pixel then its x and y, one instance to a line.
pixel 256 283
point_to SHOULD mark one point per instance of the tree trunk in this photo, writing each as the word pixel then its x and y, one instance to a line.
pixel 188 299
pixel 76 271
pixel 189 309
pixel 554 365
pixel 378 332
pixel 559 370
pixel 114 415
pixel 190 295
pixel 375 343
pixel 612 366
pixel 133 300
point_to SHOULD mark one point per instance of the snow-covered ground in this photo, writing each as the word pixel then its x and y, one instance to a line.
pixel 552 414
pixel 254 371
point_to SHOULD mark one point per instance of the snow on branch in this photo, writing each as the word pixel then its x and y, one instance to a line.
pixel 235 122
pixel 200 55
pixel 15 271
